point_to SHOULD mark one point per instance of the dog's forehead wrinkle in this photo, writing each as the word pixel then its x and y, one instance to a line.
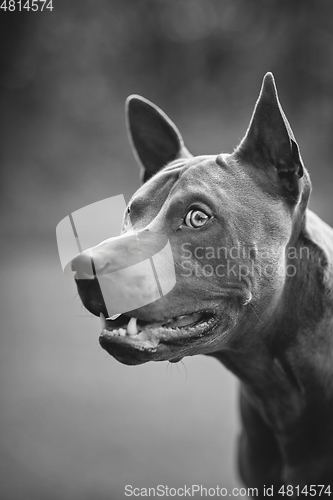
pixel 222 160
pixel 180 162
pixel 197 160
pixel 157 191
pixel 206 174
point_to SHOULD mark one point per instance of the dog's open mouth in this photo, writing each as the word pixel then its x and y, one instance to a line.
pixel 145 335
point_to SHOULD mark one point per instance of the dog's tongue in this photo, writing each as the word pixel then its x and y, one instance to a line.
pixel 176 322
pixel 187 319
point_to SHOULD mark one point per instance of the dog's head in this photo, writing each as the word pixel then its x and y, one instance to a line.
pixel 227 218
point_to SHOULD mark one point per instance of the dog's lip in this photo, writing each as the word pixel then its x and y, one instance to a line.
pixel 183 319
pixel 150 337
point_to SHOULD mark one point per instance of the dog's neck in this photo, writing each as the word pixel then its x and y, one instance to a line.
pixel 280 362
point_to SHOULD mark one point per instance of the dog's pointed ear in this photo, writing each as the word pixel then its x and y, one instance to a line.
pixel 154 138
pixel 269 139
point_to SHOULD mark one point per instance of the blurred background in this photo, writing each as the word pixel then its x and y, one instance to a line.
pixel 75 424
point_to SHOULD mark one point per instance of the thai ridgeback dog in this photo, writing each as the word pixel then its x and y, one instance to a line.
pixel 254 276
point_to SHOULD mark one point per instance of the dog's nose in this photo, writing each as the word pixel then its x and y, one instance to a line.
pixel 91 296
pixel 83 266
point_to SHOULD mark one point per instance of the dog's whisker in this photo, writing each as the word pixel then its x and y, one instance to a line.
pixel 183 364
pixel 253 309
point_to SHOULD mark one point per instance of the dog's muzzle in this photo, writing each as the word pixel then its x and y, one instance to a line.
pixel 132 270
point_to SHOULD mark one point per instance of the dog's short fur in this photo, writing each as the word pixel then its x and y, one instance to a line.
pixel 272 329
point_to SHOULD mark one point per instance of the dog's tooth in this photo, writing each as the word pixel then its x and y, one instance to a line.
pixel 115 316
pixel 132 328
pixel 122 332
pixel 103 322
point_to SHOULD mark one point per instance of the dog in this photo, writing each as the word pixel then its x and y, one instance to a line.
pixel 253 268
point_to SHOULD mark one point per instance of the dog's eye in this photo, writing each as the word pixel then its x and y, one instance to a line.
pixel 196 218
